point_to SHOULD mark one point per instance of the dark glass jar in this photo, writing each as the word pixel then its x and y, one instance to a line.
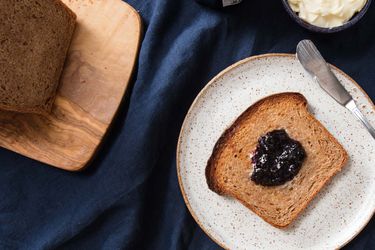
pixel 218 3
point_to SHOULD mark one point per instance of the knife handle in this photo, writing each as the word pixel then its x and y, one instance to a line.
pixel 354 109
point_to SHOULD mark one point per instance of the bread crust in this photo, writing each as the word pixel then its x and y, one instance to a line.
pixel 211 168
pixel 67 9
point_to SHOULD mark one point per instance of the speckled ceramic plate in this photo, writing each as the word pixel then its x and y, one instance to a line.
pixel 340 210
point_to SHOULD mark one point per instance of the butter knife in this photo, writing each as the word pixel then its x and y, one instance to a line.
pixel 316 66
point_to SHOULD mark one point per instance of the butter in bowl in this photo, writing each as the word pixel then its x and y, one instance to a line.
pixel 326 16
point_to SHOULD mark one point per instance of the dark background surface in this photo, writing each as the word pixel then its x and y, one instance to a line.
pixel 129 197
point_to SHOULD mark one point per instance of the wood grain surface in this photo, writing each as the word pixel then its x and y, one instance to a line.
pixel 96 75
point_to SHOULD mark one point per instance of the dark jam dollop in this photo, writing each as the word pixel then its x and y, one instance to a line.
pixel 277 159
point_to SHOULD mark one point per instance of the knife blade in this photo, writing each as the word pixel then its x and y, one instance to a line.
pixel 313 62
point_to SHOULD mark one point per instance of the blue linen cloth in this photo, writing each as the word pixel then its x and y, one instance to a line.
pixel 129 197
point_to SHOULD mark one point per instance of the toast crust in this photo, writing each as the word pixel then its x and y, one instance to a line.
pixel 211 170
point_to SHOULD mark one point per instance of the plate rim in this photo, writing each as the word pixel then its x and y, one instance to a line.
pixel 203 91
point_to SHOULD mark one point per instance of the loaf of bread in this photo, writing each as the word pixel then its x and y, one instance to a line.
pixel 229 167
pixel 34 41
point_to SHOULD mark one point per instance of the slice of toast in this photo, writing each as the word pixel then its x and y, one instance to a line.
pixel 34 40
pixel 229 167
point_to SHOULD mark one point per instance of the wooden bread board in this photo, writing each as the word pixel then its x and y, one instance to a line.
pixel 96 74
